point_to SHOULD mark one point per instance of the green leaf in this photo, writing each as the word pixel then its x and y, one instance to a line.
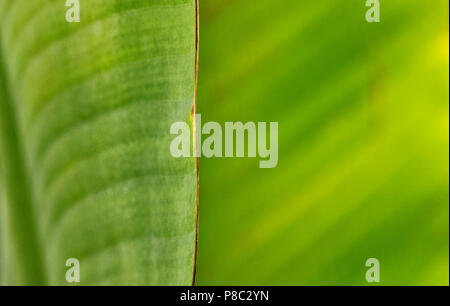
pixel 363 142
pixel 85 116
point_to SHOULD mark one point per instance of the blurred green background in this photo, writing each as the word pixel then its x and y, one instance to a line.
pixel 363 142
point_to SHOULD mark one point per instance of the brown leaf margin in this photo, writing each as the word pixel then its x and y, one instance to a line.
pixel 196 143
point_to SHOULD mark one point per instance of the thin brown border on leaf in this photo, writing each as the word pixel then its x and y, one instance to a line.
pixel 196 144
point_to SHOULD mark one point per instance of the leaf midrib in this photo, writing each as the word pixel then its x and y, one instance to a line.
pixel 20 211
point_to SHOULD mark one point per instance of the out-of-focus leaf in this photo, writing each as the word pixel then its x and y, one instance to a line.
pixel 363 142
pixel 85 112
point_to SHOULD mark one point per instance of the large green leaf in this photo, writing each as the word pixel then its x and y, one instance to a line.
pixel 363 142
pixel 85 116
